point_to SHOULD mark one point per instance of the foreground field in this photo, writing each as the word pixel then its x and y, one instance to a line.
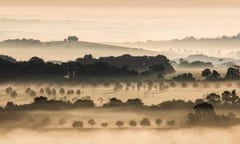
pixel 123 136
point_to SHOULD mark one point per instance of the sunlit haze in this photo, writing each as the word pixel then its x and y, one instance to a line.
pixel 117 24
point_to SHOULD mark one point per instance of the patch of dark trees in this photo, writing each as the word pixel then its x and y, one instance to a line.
pixel 125 66
pixel 233 73
pixel 195 64
pixel 205 115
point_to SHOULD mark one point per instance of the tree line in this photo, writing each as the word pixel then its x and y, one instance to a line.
pixel 126 65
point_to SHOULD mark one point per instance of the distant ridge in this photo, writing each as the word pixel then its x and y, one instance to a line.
pixel 67 49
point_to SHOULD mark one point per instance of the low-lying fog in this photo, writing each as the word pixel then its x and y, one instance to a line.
pixel 123 136
pixel 100 93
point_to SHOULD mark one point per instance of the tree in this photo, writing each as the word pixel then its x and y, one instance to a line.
pixel 184 77
pixel 91 122
pixel 206 73
pixel 62 91
pixel 78 92
pixel 41 91
pixel 230 97
pixel 232 73
pixel 203 111
pixel 104 124
pixel 171 122
pixel 145 122
pixel 72 38
pixel 69 92
pixel 32 93
pixel 158 121
pixel 215 75
pixel 213 98
pixel 77 124
pixel 132 123
pixel 119 124
pixel 14 94
pixel 36 60
pixel 62 121
pixel 8 90
pixel 54 92
pixel 28 90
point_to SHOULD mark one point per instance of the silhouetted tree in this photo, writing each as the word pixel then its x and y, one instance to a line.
pixel 32 93
pixel 230 97
pixel 119 124
pixel 215 75
pixel 69 92
pixel 184 77
pixel 8 90
pixel 62 121
pixel 44 122
pixel 145 122
pixel 158 121
pixel 54 92
pixel 72 38
pixel 232 74
pixel 77 124
pixel 78 92
pixel 132 123
pixel 171 123
pixel 104 124
pixel 10 106
pixel 62 91
pixel 41 91
pixel 214 99
pixel 13 94
pixel 206 73
pixel 91 122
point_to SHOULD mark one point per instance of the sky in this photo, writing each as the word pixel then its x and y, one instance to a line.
pixel 118 20
pixel 214 3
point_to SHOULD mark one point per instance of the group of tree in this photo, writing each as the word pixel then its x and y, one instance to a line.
pixel 126 65
pixel 195 64
pixel 233 73
pixel 226 99
pixel 145 122
pixel 184 77
pixel 204 115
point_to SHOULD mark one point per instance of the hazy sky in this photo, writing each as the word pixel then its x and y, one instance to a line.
pixel 104 24
pixel 124 2
pixel 118 20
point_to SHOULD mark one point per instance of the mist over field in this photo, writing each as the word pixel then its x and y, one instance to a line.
pixel 119 71
pixel 175 136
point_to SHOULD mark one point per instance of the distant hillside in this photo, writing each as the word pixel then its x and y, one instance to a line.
pixel 225 46
pixel 214 60
pixel 65 50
